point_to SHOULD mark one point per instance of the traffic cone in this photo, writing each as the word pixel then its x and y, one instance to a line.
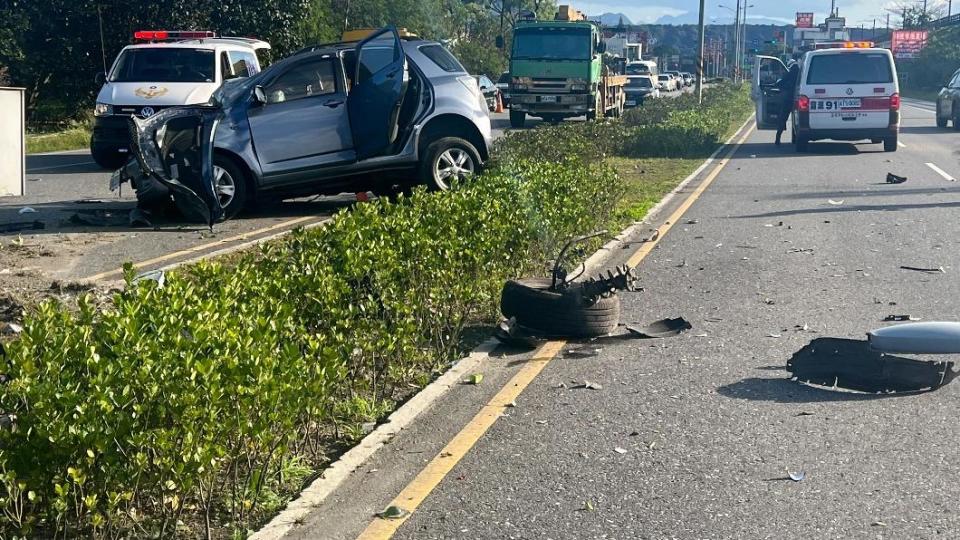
pixel 499 107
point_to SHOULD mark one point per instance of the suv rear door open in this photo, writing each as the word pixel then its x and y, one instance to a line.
pixel 766 96
pixel 380 80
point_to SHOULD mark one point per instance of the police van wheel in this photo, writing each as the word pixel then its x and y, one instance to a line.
pixel 108 158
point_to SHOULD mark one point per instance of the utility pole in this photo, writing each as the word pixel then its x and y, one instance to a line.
pixel 736 44
pixel 743 40
pixel 703 29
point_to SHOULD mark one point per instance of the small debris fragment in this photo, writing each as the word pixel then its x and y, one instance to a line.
pixel 797 476
pixel 894 179
pixel 393 512
pixel 804 413
pixel 773 335
pixel 10 329
pixel 692 221
pixel 512 404
pixel 620 450
pixel 590 386
pixel 27 210
pixel 542 422
pixel 583 352
pixel 662 328
pixel 800 250
pixel 154 275
pixel 588 506
pixel 878 524
pixel 634 433
pixel 938 270
pixel 474 379
pixel 835 203
pixel 899 318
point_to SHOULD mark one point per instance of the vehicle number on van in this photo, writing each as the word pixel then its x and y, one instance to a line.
pixel 834 104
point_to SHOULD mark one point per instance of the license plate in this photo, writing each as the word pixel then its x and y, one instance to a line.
pixel 834 104
pixel 548 99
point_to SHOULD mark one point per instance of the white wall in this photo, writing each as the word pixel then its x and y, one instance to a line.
pixel 12 142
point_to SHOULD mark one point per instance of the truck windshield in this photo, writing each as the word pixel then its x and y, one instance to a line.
pixel 165 64
pixel 552 44
pixel 850 68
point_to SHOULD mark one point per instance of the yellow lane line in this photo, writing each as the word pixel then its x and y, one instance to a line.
pixel 196 249
pixel 430 477
pixel 648 246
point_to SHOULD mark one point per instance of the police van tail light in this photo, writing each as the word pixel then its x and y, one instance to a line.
pixel 803 104
pixel 895 102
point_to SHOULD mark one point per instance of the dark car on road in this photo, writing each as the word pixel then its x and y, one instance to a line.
pixel 639 88
pixel 334 118
pixel 948 102
pixel 488 89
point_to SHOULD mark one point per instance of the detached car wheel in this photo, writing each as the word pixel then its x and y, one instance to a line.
pixel 448 160
pixel 230 186
pixel 565 313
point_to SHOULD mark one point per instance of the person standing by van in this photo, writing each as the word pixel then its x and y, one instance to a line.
pixel 788 88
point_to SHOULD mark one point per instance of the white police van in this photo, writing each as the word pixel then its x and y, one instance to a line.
pixel 164 69
pixel 846 91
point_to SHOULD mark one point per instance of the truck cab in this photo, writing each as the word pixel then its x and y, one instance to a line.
pixel 558 71
pixel 164 69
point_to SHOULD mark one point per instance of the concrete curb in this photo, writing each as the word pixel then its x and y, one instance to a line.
pixel 337 472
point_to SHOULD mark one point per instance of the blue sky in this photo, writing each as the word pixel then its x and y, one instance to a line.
pixel 647 11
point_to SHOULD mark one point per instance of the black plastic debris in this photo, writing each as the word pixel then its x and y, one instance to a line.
pixel 938 270
pixel 661 329
pixel 852 365
pixel 894 179
pixel 900 318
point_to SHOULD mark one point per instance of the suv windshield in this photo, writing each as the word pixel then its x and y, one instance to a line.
pixel 552 43
pixel 165 64
pixel 850 68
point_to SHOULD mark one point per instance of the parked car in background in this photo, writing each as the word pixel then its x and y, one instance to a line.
pixel 677 78
pixel 639 88
pixel 503 84
pixel 488 89
pixel 687 78
pixel 948 102
pixel 666 82
pixel 334 118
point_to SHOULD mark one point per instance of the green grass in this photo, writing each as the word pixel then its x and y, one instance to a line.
pixel 918 93
pixel 70 139
pixel 648 180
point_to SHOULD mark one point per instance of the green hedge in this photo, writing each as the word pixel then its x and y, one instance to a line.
pixel 189 407
pixel 185 403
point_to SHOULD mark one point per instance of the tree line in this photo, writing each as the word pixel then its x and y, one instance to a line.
pixel 55 48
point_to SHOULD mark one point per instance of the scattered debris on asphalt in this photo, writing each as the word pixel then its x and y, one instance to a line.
pixel 835 203
pixel 393 512
pixel 661 329
pixel 900 318
pixel 894 179
pixel 800 250
pixel 850 364
pixel 620 450
pixel 587 385
pixel 797 476
pixel 938 270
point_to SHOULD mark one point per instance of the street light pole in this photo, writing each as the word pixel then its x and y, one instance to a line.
pixel 700 59
pixel 738 45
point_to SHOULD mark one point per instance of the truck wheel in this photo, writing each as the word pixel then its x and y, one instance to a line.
pixel 517 119
pixel 108 158
pixel 230 185
pixel 564 313
pixel 448 160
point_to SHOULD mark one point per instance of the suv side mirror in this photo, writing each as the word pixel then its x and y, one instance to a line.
pixel 500 42
pixel 259 95
pixel 100 78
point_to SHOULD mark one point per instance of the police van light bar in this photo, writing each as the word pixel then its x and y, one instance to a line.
pixel 164 35
pixel 844 45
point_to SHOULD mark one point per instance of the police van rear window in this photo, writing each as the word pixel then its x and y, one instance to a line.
pixel 442 58
pixel 850 68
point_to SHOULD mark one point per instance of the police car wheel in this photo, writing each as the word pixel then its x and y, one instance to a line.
pixel 230 186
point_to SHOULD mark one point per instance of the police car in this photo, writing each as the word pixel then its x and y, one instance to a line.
pixel 164 69
pixel 846 91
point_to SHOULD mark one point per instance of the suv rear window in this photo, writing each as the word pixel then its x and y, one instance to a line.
pixel 850 68
pixel 442 58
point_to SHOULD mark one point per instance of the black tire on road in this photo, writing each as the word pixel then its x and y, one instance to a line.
pixel 517 119
pixel 108 158
pixel 941 120
pixel 433 159
pixel 551 313
pixel 890 144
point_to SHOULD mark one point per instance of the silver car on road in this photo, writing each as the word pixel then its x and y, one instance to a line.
pixel 342 117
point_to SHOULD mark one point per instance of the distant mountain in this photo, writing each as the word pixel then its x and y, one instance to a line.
pixel 694 18
pixel 611 19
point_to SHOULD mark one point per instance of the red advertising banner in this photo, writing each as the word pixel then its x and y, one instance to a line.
pixel 907 43
pixel 804 20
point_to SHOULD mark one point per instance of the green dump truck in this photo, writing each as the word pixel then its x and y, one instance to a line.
pixel 558 71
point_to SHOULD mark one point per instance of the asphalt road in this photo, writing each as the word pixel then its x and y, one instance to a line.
pixel 695 436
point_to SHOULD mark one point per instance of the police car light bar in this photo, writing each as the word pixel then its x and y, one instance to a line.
pixel 164 35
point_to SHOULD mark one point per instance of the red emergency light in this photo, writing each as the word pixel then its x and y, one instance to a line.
pixel 166 35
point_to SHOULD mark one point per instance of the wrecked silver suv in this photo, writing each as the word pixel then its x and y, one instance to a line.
pixel 345 117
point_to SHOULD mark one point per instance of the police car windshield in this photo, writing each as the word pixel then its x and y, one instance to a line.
pixel 165 64
pixel 850 68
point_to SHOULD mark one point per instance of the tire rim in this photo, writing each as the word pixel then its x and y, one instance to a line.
pixel 224 185
pixel 452 164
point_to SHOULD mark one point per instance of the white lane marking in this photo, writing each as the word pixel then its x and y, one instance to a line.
pixel 35 169
pixel 941 172
pixel 901 145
